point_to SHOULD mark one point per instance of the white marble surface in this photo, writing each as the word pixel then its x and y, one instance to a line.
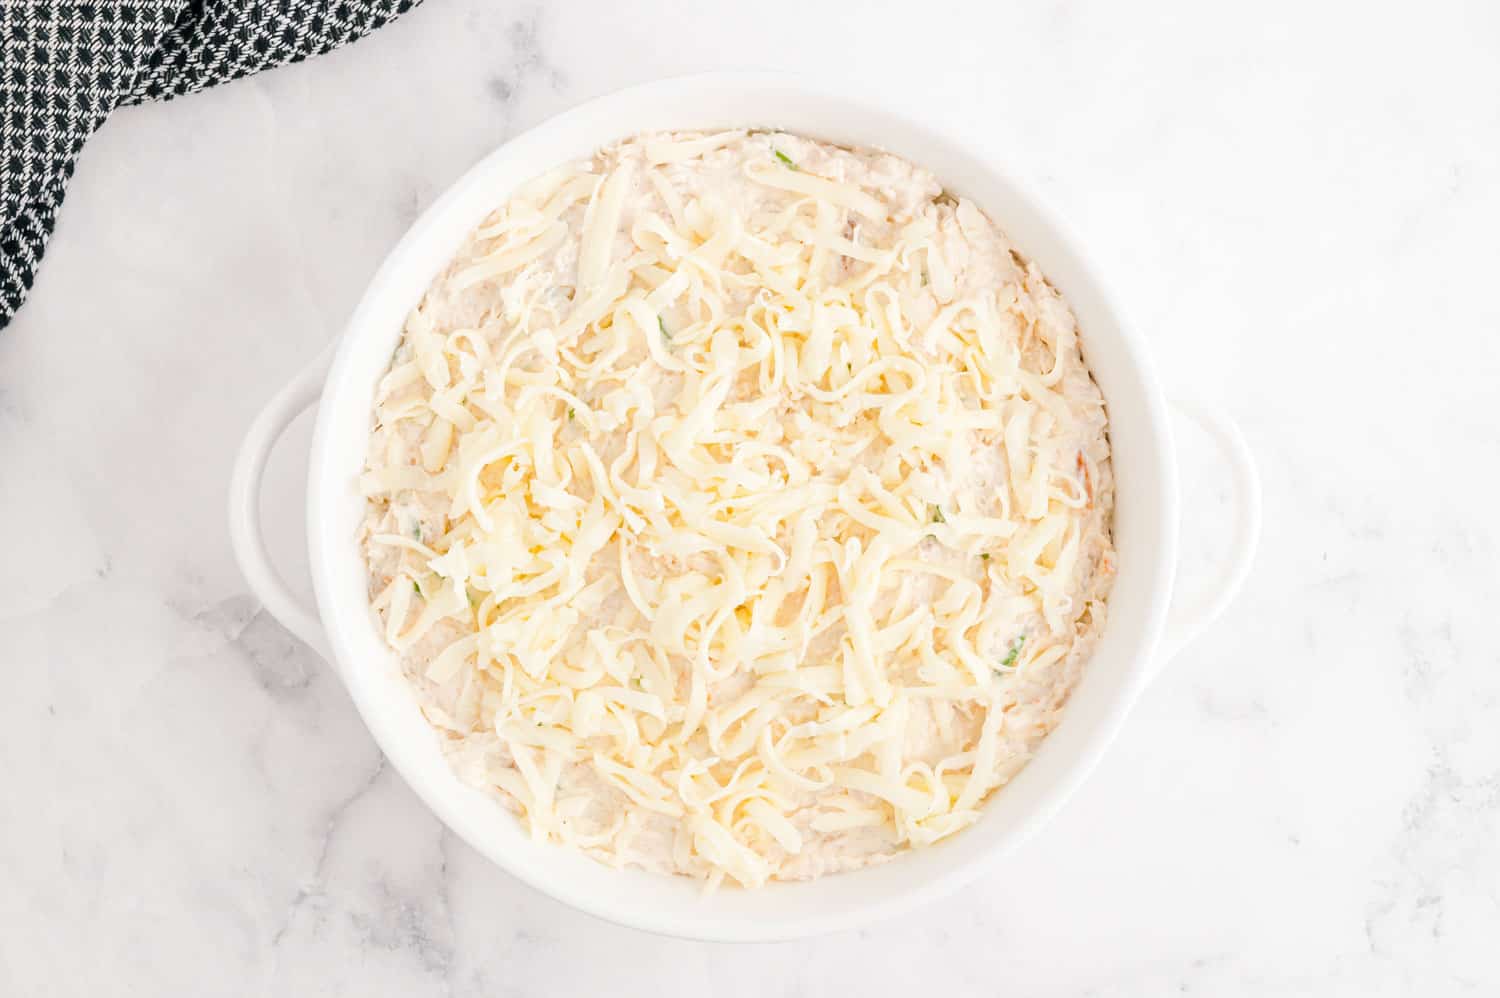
pixel 1298 201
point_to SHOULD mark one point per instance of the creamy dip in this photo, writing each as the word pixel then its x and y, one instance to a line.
pixel 739 506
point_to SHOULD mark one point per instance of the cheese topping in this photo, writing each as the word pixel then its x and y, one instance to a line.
pixel 739 506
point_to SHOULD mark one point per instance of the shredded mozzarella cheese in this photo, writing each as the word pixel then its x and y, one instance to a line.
pixel 740 506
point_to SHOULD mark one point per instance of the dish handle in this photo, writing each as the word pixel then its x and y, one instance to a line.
pixel 1184 623
pixel 245 531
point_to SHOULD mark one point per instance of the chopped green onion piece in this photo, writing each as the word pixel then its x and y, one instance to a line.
pixel 661 324
pixel 415 587
pixel 937 515
pixel 571 414
pixel 1015 649
pixel 785 158
pixel 984 556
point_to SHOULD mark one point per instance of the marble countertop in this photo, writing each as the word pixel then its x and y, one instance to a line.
pixel 1297 201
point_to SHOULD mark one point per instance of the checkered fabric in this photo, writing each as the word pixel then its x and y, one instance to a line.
pixel 66 64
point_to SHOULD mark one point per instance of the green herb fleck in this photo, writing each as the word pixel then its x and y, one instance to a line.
pixel 937 515
pixel 662 325
pixel 985 556
pixel 416 588
pixel 416 529
pixel 785 159
pixel 571 415
pixel 1015 649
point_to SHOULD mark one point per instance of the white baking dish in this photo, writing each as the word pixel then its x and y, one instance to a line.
pixel 1143 630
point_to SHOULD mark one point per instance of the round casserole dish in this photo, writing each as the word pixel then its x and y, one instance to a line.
pixel 1139 636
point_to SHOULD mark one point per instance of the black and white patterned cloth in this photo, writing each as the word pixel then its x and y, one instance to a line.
pixel 66 64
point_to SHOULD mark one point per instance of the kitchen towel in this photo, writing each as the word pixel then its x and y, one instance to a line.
pixel 65 65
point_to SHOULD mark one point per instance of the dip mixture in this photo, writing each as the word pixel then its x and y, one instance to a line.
pixel 739 507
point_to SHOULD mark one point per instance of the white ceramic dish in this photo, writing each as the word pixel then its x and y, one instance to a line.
pixel 1141 633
